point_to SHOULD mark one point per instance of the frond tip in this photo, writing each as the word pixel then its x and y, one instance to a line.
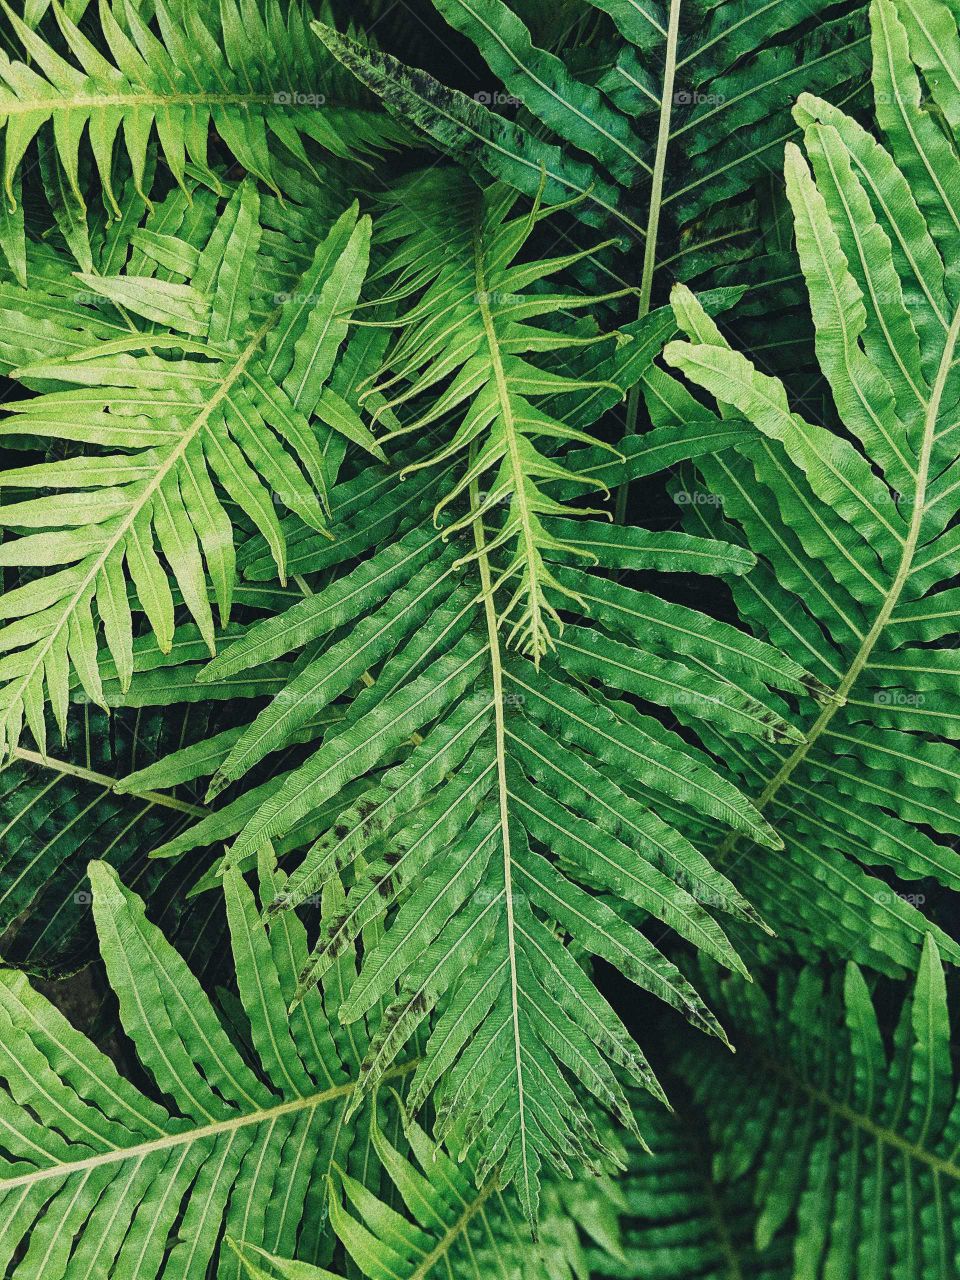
pixel 469 330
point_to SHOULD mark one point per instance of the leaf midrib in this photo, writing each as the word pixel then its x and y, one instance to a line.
pixel 904 569
pixel 140 504
pixel 511 435
pixel 881 1133
pixel 458 1228
pixel 186 1136
pixel 500 737
pixel 651 232
pixel 107 782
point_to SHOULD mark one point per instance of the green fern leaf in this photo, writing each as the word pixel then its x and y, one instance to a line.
pixel 847 1134
pixel 217 1124
pixel 250 72
pixel 687 1212
pixel 454 1226
pixel 874 782
pixel 218 386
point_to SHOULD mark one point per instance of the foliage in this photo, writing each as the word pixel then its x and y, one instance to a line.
pixel 444 783
pixel 664 136
pixel 684 1213
pixel 250 72
pixel 218 382
pixel 383 768
pixel 875 780
pixel 146 1180
pixel 849 1151
pixel 652 126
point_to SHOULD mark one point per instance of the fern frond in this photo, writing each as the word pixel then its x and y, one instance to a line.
pixel 380 728
pixel 476 805
pixel 213 389
pixel 849 1151
pixel 875 781
pixel 686 1212
pixel 665 149
pixel 159 83
pixel 454 1227
pixel 469 323
pixel 222 1119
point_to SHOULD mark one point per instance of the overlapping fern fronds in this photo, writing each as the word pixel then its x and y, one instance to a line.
pixel 59 811
pixel 473 798
pixel 306 460
pixel 448 1224
pixel 691 106
pixel 684 1211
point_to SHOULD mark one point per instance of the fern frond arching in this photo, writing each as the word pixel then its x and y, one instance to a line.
pixel 252 72
pixel 875 781
pixel 214 388
pixel 849 1131
pixel 225 1117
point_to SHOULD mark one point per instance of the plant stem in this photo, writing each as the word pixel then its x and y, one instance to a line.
pixel 653 219
pixel 890 600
